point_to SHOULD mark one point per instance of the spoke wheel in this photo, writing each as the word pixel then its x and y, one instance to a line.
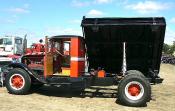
pixel 17 81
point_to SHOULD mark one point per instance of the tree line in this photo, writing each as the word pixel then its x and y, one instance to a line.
pixel 169 49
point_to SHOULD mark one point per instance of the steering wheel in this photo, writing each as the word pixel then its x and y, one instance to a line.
pixel 58 52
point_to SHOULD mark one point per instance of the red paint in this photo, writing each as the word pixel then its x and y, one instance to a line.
pixel 77 50
pixel 17 81
pixel 101 73
pixel 37 48
pixel 134 89
pixel 14 56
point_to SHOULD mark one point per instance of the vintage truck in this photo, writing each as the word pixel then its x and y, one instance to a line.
pixel 112 51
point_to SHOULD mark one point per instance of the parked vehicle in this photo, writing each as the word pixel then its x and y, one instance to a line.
pixel 168 59
pixel 11 48
pixel 113 51
pixel 35 48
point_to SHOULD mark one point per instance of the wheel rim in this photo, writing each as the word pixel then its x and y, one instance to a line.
pixel 134 90
pixel 17 81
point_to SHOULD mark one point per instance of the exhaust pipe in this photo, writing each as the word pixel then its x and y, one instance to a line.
pixel 24 44
pixel 124 66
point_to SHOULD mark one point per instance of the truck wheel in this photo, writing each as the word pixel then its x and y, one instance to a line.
pixel 134 90
pixel 130 72
pixel 134 72
pixel 18 81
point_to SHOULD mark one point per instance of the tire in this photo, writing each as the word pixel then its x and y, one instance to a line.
pixel 130 72
pixel 18 81
pixel 134 72
pixel 134 90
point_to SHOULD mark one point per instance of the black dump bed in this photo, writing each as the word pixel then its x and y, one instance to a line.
pixel 144 39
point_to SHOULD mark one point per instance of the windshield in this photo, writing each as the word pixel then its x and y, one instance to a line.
pixel 6 41
pixel 18 41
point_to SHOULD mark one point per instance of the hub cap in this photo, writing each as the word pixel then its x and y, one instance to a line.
pixel 17 81
pixel 134 90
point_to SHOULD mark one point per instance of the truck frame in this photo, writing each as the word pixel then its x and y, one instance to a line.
pixel 113 51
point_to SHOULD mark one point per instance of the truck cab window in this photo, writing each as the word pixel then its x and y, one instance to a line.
pixel 7 41
pixel 57 45
pixel 66 48
pixel 18 41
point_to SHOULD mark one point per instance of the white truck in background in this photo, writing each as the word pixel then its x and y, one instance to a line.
pixel 11 48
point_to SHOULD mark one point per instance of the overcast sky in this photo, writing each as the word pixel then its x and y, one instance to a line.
pixel 38 18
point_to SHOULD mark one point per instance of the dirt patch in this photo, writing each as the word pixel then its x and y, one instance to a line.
pixel 55 99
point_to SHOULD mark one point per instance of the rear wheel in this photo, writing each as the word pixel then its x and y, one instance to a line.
pixel 18 81
pixel 134 72
pixel 134 90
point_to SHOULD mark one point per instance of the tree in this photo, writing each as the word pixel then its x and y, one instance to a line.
pixel 172 49
pixel 168 49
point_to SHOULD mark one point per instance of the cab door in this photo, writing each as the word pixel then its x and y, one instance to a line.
pixel 48 59
pixel 77 57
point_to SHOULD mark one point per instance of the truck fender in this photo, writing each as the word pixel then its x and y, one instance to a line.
pixel 27 69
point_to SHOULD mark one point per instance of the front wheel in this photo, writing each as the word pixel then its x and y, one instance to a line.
pixel 18 81
pixel 134 90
